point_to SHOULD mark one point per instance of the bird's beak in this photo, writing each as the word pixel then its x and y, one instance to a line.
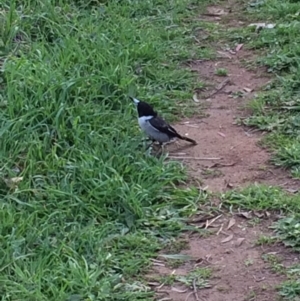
pixel 136 101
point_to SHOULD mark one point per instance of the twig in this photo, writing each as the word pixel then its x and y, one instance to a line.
pixel 220 230
pixel 222 86
pixel 222 164
pixel 194 158
pixel 165 299
pixel 188 296
pixel 192 126
pixel 195 290
pixel 221 134
pixel 155 260
pixel 212 221
pixel 179 154
pixel 200 219
pixel 236 145
pixel 212 15
pixel 158 264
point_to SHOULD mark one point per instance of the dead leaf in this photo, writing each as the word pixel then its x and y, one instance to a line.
pixel 259 279
pixel 209 223
pixel 224 54
pixel 176 256
pixel 260 26
pixel 16 180
pixel 239 47
pixel 245 214
pixel 257 214
pixel 214 11
pixel 193 126
pixel 231 223
pixel 239 241
pixel 247 90
pixel 12 183
pixel 270 26
pixel 177 290
pixel 219 231
pixel 227 239
pixel 195 98
pixel 207 257
pixel 290 190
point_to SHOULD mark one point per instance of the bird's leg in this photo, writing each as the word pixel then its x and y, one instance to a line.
pixel 150 144
pixel 160 150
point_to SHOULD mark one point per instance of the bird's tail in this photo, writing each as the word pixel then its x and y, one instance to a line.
pixel 188 139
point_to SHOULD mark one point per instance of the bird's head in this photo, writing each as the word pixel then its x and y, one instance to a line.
pixel 143 108
pixel 135 101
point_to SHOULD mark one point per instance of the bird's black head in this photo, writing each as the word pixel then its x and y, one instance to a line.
pixel 143 108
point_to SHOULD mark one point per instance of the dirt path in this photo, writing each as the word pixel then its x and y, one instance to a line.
pixel 242 161
pixel 241 269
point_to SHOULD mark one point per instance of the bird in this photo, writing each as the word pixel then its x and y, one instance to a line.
pixel 155 127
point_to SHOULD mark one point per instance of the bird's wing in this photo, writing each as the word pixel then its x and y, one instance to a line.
pixel 160 125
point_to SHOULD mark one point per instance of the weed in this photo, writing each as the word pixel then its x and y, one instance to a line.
pixel 275 263
pixel 175 263
pixel 211 173
pixel 265 240
pixel 176 245
pixel 168 279
pixel 250 296
pixel 248 262
pixel 288 230
pixel 254 221
pixel 221 72
pixel 198 277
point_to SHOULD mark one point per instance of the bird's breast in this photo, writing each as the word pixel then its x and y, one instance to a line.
pixel 151 131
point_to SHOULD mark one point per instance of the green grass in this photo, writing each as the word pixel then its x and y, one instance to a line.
pixel 262 197
pixel 221 72
pixel 89 208
pixel 276 109
pixel 290 289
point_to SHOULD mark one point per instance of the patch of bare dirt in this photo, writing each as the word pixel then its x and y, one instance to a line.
pixel 240 270
pixel 239 159
pixel 227 156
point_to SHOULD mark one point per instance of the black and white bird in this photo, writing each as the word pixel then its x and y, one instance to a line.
pixel 156 128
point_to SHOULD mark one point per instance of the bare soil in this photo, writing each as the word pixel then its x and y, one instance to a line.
pixel 240 271
pixel 240 160
pixel 240 268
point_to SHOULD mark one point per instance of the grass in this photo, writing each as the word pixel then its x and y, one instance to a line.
pixel 290 289
pixel 276 109
pixel 83 209
pixel 262 197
